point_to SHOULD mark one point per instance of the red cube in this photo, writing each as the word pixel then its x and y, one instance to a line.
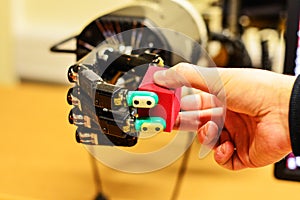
pixel 168 105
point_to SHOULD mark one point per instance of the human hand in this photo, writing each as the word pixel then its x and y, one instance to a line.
pixel 255 129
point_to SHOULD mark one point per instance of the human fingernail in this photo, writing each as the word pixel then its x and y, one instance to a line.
pixel 159 76
pixel 222 148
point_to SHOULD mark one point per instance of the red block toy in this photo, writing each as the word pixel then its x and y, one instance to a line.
pixel 168 105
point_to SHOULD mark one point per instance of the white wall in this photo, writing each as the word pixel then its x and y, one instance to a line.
pixel 7 71
pixel 37 25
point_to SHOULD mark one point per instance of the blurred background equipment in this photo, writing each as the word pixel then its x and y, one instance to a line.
pixel 34 28
pixel 234 32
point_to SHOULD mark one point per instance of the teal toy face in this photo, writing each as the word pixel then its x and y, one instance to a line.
pixel 150 125
pixel 143 102
pixel 151 128
pixel 142 99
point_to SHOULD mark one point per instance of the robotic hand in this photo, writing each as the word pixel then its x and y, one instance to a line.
pixel 113 109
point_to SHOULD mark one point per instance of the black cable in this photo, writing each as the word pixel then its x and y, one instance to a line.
pixel 265 58
pixel 56 47
pixel 97 180
pixel 181 173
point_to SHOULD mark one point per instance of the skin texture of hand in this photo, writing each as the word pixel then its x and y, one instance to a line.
pixel 252 121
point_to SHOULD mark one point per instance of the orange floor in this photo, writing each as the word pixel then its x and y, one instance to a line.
pixel 41 160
